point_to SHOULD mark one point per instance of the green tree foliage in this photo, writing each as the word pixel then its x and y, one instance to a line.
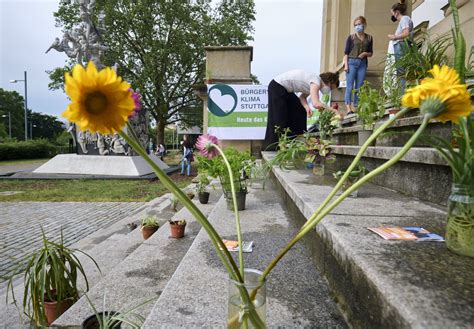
pixel 12 103
pixel 159 48
pixel 44 126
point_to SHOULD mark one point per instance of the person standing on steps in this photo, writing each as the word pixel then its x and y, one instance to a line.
pixel 286 109
pixel 403 33
pixel 359 46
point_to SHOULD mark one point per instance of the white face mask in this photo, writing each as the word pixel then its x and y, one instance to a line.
pixel 325 90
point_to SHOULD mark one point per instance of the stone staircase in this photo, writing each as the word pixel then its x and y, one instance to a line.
pixel 108 246
pixel 340 273
pixel 422 173
pixel 379 283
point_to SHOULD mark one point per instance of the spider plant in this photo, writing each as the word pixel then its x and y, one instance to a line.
pixel 419 59
pixel 50 275
pixel 111 319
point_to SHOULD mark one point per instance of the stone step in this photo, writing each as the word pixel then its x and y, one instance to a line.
pixel 396 135
pixel 116 247
pixel 420 173
pixel 141 275
pixel 107 246
pixel 297 295
pixel 379 283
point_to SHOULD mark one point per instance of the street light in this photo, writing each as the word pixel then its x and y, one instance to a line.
pixel 31 129
pixel 9 115
pixel 26 104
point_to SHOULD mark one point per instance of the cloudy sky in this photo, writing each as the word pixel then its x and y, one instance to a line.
pixel 287 36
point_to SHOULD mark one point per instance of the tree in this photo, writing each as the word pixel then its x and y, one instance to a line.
pixel 12 103
pixel 159 47
pixel 44 126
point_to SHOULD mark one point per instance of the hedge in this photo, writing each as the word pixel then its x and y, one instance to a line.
pixel 35 149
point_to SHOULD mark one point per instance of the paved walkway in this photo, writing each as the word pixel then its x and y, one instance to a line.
pixel 21 222
pixel 28 167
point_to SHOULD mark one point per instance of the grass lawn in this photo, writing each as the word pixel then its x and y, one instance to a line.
pixel 87 190
pixel 21 161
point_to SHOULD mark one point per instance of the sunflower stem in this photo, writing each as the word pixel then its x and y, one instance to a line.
pixel 216 240
pixel 355 162
pixel 314 220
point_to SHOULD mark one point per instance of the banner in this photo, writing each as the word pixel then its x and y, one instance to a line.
pixel 239 112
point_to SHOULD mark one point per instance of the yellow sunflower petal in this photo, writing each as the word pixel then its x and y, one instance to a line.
pixel 101 101
pixel 446 87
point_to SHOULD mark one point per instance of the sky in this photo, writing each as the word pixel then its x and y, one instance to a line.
pixel 287 36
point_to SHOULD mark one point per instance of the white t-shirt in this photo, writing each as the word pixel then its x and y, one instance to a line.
pixel 298 81
pixel 405 22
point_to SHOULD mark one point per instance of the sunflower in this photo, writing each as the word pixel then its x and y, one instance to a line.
pixel 101 101
pixel 443 96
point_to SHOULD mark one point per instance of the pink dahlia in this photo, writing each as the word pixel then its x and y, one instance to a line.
pixel 138 103
pixel 205 144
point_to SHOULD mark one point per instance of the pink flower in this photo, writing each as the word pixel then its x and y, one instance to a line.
pixel 205 144
pixel 138 103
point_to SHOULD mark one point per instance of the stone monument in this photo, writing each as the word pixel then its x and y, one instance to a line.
pixel 83 44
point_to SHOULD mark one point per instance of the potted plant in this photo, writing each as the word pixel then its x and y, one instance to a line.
pixel 353 177
pixel 112 319
pixel 239 165
pixel 259 172
pixel 201 188
pixel 370 109
pixel 177 228
pixel 149 226
pixel 318 153
pixel 174 203
pixel 291 151
pixel 50 281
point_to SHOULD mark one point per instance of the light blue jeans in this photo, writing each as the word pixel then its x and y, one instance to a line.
pixel 186 165
pixel 355 78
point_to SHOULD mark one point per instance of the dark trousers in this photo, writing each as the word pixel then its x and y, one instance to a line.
pixel 284 111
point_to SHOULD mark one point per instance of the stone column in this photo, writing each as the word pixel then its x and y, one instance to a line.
pixel 229 65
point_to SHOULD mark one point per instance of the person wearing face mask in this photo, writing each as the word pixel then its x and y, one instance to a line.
pixel 286 109
pixel 403 33
pixel 359 46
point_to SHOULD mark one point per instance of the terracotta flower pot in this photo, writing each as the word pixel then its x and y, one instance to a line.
pixel 53 311
pixel 148 231
pixel 177 230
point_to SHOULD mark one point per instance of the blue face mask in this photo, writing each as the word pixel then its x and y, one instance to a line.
pixel 359 28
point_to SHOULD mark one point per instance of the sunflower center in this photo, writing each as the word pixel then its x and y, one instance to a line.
pixel 96 102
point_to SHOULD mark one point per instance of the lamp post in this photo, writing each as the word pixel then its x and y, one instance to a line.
pixel 9 115
pixel 31 129
pixel 26 104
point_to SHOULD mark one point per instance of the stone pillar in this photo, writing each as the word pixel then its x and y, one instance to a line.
pixel 229 65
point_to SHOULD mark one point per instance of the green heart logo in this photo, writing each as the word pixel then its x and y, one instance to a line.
pixel 222 100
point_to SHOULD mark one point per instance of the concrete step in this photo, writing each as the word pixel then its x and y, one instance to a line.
pixel 396 135
pixel 107 246
pixel 379 283
pixel 141 275
pixel 420 173
pixel 297 295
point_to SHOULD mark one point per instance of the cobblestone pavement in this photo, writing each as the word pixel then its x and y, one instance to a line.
pixel 21 222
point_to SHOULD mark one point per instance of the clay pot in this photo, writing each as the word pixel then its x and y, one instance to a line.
pixel 53 311
pixel 148 231
pixel 203 197
pixel 177 230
